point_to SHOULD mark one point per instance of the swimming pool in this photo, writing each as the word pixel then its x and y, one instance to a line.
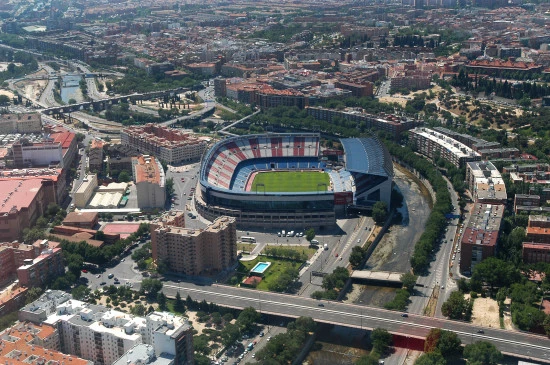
pixel 260 268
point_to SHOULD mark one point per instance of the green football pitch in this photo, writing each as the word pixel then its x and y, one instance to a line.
pixel 290 181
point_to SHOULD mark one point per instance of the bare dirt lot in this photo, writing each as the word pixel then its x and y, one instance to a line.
pixel 486 314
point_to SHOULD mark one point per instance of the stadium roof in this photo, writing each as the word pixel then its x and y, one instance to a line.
pixel 367 156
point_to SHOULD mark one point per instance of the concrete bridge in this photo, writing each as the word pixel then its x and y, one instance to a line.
pixel 98 105
pixel 380 277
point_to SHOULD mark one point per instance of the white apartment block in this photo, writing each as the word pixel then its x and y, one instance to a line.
pixel 102 335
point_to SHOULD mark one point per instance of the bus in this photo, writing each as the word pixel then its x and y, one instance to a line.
pixel 248 239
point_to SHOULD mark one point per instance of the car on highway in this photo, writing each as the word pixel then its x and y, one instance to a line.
pixel 321 305
pixel 480 331
pixel 405 315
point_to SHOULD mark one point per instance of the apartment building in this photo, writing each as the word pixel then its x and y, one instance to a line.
pixel 537 247
pixel 41 270
pixel 410 78
pixel 167 144
pixel 434 144
pixel 102 335
pixel 390 124
pixel 267 97
pixel 23 201
pixel 479 239
pixel 485 183
pixel 144 354
pixel 150 182
pixel 95 156
pixel 85 191
pixel 33 344
pixel 194 251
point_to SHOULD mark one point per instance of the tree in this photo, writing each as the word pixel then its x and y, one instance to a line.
pixel 4 100
pixel 33 234
pixel 310 234
pixel 230 334
pixel 80 292
pixel 161 300
pixel 380 212
pixel 42 222
pixel 138 310
pixel 381 340
pixel 449 344
pixel 433 358
pixel 248 319
pixel 124 176
pixel 455 306
pixel 151 287
pixel 482 353
pixel 33 294
pixel 179 306
pixel 496 273
pixel 200 344
pixel 356 256
pixel 370 359
pixel 337 279
pixel 408 280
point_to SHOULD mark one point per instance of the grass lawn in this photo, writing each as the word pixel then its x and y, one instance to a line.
pixel 305 249
pixel 246 247
pixel 291 181
pixel 277 267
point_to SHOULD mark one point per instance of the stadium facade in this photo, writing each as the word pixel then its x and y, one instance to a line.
pixel 361 177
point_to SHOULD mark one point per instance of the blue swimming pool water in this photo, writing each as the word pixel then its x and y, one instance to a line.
pixel 261 267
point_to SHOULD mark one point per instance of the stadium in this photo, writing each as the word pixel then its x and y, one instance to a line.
pixel 284 180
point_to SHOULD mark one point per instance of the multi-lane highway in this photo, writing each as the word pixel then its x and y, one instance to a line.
pixel 509 342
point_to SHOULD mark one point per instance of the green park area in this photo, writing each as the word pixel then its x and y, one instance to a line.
pixel 278 277
pixel 290 181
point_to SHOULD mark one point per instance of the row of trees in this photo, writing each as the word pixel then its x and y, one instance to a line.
pixel 505 89
pixel 283 348
pixel 436 223
pixel 442 345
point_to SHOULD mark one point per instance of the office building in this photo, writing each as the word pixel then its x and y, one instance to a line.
pixel 194 251
pixel 150 182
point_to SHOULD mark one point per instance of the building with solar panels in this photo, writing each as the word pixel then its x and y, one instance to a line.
pixel 282 180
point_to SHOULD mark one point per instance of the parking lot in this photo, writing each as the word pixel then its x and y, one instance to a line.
pixel 242 351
